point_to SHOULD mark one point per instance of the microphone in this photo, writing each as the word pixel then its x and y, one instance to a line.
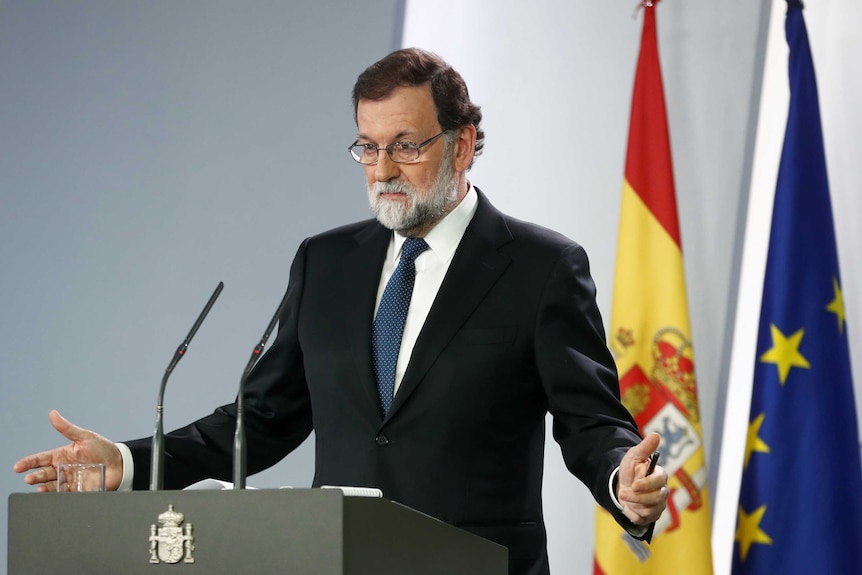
pixel 157 473
pixel 239 474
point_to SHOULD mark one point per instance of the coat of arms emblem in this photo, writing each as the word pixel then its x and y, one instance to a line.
pixel 170 542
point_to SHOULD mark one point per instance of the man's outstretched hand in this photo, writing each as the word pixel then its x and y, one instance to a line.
pixel 86 447
pixel 643 497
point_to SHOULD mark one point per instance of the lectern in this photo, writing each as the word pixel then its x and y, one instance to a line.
pixel 283 531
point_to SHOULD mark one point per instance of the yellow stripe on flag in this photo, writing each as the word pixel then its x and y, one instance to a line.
pixel 648 282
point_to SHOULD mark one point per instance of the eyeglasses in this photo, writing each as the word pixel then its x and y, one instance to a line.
pixel 400 152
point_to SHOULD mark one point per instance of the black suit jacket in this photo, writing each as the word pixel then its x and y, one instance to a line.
pixel 514 333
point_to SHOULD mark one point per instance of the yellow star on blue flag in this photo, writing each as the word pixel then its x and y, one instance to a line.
pixel 836 306
pixel 784 352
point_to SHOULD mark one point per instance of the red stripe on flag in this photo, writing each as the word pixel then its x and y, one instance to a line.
pixel 649 170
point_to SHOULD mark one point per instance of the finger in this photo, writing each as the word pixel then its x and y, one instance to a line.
pixel 67 428
pixel 639 514
pixel 49 487
pixel 641 454
pixel 649 497
pixel 646 508
pixel 643 515
pixel 655 481
pixel 646 447
pixel 40 476
pixel 43 459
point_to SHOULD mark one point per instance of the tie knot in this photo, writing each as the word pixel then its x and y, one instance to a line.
pixel 412 248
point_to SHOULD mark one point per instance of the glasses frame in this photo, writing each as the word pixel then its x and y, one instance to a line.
pixel 390 148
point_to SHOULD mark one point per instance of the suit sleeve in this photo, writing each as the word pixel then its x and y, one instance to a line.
pixel 591 425
pixel 277 412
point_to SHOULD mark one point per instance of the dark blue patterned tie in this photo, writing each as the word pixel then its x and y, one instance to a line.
pixel 389 322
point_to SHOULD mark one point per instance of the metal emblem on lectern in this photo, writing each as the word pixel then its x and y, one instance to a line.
pixel 170 542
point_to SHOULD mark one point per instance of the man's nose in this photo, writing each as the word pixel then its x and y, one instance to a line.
pixel 385 169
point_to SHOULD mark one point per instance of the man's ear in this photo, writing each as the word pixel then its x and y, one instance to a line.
pixel 465 148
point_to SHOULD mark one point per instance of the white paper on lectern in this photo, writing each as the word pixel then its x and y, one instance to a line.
pixel 211 484
pixel 356 491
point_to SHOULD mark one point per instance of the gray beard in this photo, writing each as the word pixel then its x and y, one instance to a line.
pixel 417 214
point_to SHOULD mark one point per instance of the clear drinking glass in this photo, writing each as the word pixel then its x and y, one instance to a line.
pixel 80 477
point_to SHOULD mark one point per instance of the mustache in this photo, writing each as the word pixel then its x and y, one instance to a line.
pixel 393 187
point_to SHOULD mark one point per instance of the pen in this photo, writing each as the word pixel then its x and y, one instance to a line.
pixel 653 460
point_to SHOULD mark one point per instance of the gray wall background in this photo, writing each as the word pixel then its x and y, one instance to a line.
pixel 150 150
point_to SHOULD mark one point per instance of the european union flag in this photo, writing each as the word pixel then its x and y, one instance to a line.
pixel 800 508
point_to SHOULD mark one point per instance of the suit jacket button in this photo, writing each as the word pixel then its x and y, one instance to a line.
pixel 382 440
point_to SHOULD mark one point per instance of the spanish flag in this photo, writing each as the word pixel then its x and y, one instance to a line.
pixel 651 340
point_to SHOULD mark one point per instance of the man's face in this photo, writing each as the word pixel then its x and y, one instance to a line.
pixel 409 198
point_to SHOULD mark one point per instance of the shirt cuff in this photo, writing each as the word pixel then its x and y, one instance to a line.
pixel 128 467
pixel 611 482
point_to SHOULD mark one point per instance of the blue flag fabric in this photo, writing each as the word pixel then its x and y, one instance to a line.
pixel 800 508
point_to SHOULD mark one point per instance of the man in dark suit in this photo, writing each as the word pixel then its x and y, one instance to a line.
pixel 444 409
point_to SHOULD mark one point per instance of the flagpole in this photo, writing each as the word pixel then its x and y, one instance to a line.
pixel 771 124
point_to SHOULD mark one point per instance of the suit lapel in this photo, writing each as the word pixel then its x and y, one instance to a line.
pixel 475 268
pixel 362 269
